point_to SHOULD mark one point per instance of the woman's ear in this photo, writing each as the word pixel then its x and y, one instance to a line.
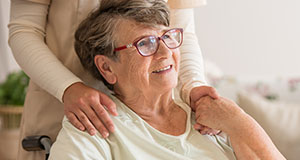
pixel 103 64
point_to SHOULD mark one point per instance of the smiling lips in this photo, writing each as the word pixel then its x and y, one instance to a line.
pixel 163 69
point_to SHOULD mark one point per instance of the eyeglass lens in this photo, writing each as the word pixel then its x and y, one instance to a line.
pixel 149 45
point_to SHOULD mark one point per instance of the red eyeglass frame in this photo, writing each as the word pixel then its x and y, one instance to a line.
pixel 159 38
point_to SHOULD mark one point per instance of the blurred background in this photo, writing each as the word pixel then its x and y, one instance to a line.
pixel 251 38
pixel 251 52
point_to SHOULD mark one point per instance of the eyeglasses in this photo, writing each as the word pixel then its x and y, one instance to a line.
pixel 149 45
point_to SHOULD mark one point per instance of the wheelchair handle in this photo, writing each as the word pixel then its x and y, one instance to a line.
pixel 37 143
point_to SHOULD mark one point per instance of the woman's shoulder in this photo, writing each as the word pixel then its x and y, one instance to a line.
pixel 71 140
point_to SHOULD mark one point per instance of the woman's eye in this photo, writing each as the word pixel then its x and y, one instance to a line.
pixel 142 43
pixel 165 36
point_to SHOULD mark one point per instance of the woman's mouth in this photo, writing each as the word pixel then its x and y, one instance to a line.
pixel 162 69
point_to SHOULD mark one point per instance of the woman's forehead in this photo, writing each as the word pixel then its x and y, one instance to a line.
pixel 130 30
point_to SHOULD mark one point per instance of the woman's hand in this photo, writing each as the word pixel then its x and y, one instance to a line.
pixel 195 95
pixel 248 139
pixel 85 109
pixel 220 114
pixel 206 130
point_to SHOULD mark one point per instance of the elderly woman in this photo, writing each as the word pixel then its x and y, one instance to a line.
pixel 129 46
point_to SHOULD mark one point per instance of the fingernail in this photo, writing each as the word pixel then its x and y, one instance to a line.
pixel 111 128
pixel 105 134
pixel 115 111
pixel 92 132
pixel 81 128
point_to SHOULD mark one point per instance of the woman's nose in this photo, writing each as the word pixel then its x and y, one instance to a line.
pixel 163 51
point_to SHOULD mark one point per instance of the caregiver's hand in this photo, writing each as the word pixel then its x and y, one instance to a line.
pixel 199 92
pixel 195 95
pixel 221 114
pixel 85 109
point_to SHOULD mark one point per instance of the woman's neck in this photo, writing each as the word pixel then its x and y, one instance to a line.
pixel 147 104
pixel 158 110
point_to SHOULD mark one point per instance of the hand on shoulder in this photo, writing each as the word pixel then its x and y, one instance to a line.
pixel 85 108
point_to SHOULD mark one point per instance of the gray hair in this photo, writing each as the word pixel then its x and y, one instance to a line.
pixel 96 35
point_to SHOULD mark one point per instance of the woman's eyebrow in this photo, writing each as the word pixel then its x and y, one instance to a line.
pixel 165 30
pixel 162 31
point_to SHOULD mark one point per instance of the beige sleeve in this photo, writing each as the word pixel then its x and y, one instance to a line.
pixel 26 39
pixel 40 1
pixel 191 72
pixel 177 4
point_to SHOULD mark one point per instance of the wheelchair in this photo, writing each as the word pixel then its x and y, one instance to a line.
pixel 37 143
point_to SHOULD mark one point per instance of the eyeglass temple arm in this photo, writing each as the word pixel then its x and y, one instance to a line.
pixel 123 47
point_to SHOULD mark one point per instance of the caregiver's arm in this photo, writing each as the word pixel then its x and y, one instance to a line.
pixel 191 81
pixel 247 138
pixel 191 73
pixel 27 41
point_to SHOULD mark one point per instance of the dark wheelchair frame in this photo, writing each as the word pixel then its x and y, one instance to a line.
pixel 37 143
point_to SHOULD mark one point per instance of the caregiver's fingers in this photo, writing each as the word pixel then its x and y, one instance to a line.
pixel 80 121
pixel 89 106
pixel 212 92
pixel 74 121
pixel 91 119
pixel 108 103
pixel 85 120
pixel 105 123
pixel 197 93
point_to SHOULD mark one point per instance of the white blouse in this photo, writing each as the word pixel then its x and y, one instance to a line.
pixel 136 139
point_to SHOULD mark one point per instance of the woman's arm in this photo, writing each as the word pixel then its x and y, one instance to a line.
pixel 252 142
pixel 247 138
pixel 27 41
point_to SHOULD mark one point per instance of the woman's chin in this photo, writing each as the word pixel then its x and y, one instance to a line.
pixel 165 81
pixel 166 85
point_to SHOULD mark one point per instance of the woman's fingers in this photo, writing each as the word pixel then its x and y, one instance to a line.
pixel 206 130
pixel 198 126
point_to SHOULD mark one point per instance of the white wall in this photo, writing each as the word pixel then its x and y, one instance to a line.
pixel 251 37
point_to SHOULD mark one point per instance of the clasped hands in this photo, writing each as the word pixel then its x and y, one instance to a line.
pixel 214 113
